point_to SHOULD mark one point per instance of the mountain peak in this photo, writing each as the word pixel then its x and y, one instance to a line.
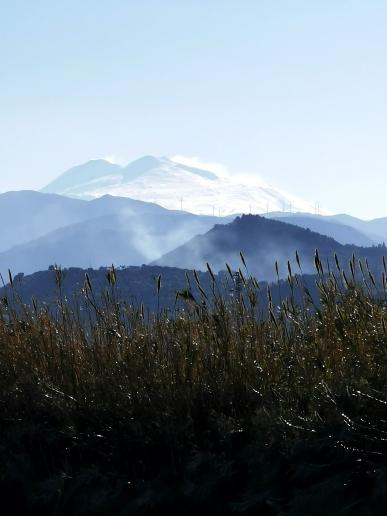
pixel 140 166
pixel 81 174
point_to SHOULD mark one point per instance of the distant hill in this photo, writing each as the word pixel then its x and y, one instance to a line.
pixel 374 230
pixel 262 241
pixel 131 233
pixel 28 215
pixel 329 226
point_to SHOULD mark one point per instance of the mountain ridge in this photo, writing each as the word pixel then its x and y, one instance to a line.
pixel 263 242
pixel 174 185
pixel 100 232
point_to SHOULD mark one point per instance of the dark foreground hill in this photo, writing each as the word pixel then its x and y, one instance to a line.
pixel 135 285
pixel 138 285
pixel 263 241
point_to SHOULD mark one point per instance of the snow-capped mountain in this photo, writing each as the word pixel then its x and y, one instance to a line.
pixel 174 185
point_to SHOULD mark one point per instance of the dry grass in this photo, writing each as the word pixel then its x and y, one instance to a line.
pixel 138 397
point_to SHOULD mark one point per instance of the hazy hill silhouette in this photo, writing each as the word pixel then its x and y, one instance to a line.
pixel 343 233
pixel 120 239
pixel 262 241
pixel 27 215
pixel 374 229
pixel 42 229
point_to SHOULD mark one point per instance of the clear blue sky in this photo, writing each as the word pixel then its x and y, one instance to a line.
pixel 295 91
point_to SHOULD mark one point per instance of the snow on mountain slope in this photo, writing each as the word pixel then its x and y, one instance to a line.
pixel 74 181
pixel 174 186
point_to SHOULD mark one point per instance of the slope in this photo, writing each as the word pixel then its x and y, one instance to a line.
pixel 29 215
pixel 128 237
pixel 343 233
pixel 262 241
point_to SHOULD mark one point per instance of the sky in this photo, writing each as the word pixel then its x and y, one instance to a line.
pixel 293 91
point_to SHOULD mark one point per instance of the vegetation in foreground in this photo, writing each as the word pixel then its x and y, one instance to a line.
pixel 216 409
